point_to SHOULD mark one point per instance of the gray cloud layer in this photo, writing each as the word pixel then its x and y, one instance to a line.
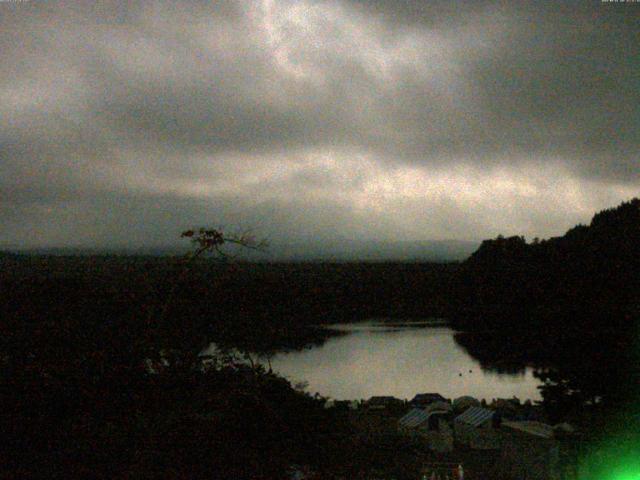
pixel 120 124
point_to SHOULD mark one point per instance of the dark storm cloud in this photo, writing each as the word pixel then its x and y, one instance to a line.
pixel 552 80
pixel 546 83
pixel 350 116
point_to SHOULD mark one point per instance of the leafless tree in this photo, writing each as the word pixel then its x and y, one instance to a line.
pixel 206 241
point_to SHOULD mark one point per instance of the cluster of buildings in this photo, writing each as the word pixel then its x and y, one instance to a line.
pixel 512 432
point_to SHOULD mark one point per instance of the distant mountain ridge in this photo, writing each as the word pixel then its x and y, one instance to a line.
pixel 352 250
pixel 339 251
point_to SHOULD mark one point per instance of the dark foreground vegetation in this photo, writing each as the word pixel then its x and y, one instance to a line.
pixel 102 378
pixel 101 375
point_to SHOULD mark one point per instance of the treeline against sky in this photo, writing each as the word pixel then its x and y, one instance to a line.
pixel 568 306
pixel 588 279
pixel 270 302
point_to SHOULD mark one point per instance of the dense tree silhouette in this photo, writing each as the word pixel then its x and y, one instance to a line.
pixel 568 305
pixel 587 279
pixel 114 391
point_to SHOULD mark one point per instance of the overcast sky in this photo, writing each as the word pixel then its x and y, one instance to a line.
pixel 123 123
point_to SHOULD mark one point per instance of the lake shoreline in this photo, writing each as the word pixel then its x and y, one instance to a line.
pixel 381 357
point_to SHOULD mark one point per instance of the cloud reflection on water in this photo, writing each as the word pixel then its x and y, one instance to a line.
pixel 377 359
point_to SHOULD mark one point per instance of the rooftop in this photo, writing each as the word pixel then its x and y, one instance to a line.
pixel 532 428
pixel 475 416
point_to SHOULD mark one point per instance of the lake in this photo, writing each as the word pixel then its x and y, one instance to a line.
pixel 399 359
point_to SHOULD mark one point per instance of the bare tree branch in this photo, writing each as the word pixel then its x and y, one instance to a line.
pixel 205 241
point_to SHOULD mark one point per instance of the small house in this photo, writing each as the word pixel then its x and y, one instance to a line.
pixel 476 417
pixel 432 426
pixel 475 428
pixel 461 404
pixel 529 449
pixel 439 407
pixel 415 418
pixel 529 428
pixel 384 403
pixel 421 400
pixel 419 419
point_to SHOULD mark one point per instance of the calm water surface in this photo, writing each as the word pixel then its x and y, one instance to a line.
pixel 399 359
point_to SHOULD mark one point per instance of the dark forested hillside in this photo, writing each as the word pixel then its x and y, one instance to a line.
pixel 587 279
pixel 568 306
pixel 266 297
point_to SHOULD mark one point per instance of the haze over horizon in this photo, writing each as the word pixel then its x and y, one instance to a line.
pixel 124 123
